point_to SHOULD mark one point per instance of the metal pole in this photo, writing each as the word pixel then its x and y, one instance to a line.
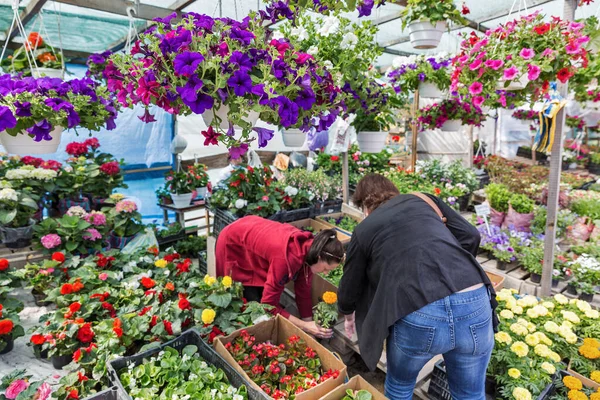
pixel 555 170
pixel 345 178
pixel 415 130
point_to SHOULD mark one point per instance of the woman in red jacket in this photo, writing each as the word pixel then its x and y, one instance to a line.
pixel 264 256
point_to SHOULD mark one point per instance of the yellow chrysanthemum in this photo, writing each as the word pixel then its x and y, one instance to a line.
pixel 568 324
pixel 208 316
pixel 532 340
pixel 551 327
pixel 591 342
pixel 561 299
pixel 209 280
pixel 592 314
pixel 564 331
pixel 503 337
pixel 507 314
pixel 542 350
pixel 527 301
pixel 520 349
pixel 555 357
pixel 543 338
pixel 329 297
pixel 532 313
pixel 589 352
pixel 576 395
pixel 521 394
pixel 514 373
pixel 570 316
pixel 519 329
pixel 511 302
pixel 517 310
pixel 595 396
pixel 583 305
pixel 531 327
pixel 548 304
pixel 572 383
pixel 162 263
pixel 227 281
pixel 595 376
pixel 549 368
pixel 571 339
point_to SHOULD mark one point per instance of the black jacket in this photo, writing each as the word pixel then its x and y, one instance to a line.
pixel 401 258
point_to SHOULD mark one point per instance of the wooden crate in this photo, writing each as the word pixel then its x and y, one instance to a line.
pixel 322 218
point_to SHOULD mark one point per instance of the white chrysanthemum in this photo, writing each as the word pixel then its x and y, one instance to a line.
pixel 9 194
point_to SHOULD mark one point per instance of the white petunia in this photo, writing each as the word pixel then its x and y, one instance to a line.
pixel 349 42
pixel 300 33
pixel 330 25
pixel 278 35
pixel 313 50
pixel 328 64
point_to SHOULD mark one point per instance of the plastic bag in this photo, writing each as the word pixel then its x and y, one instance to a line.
pixel 297 160
pixel 517 221
pixel 581 230
pixel 311 161
pixel 340 133
pixel 496 217
pixel 595 236
pixel 254 160
pixel 281 162
pixel 317 140
pixel 141 241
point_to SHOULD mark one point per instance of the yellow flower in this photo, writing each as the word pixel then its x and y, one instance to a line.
pixel 523 322
pixel 507 314
pixel 527 301
pixel 520 393
pixel 555 357
pixel 589 352
pixel 209 280
pixel 571 339
pixel 542 350
pixel 595 376
pixel 570 316
pixel 531 313
pixel 592 314
pixel 503 337
pixel 520 349
pixel 549 368
pixel 531 327
pixel 543 338
pixel 517 310
pixel 576 395
pixel 583 305
pixel 564 331
pixel 519 329
pixel 541 310
pixel 503 295
pixel 595 396
pixel 572 383
pixel 208 316
pixel 591 342
pixel 514 373
pixel 227 281
pixel 117 197
pixel 329 297
pixel 551 327
pixel 561 299
pixel 532 340
pixel 511 302
pixel 548 304
pixel 160 263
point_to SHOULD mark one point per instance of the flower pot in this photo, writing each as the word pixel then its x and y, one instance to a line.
pixel 39 353
pixel 58 362
pixel 501 265
pixel 452 125
pixel 463 202
pixel 201 192
pixel 17 238
pixel 371 142
pixel 586 297
pixel 10 344
pixel 118 242
pixel 430 90
pixel 23 143
pixel 48 72
pixel 424 35
pixel 572 289
pixel 293 137
pixel 516 84
pixel 555 283
pixel 536 278
pixel 181 200
pixel 594 168
pixel 40 298
pixel 209 115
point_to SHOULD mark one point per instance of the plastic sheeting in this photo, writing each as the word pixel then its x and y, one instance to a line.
pixel 446 146
pixel 512 133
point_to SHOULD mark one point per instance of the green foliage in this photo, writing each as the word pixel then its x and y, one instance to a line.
pixel 498 195
pixel 595 158
pixel 432 11
pixel 334 276
pixel 318 183
pixel 357 395
pixel 191 245
pixel 532 257
pixel 17 207
pixel 564 219
pixel 586 207
pixel 522 204
pixel 345 222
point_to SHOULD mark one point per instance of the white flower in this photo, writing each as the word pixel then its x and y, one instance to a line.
pixel 330 25
pixel 237 397
pixel 278 35
pixel 240 203
pixel 9 194
pixel 43 174
pixel 18 174
pixel 350 40
pixel 300 33
pixel 290 191
pixel 76 211
pixel 328 64
pixel 313 50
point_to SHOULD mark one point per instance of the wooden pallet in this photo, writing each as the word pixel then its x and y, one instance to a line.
pixel 19 257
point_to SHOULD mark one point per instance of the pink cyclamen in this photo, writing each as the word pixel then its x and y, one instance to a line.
pixel 51 241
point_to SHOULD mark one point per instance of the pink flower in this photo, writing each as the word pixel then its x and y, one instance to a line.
pixel 533 72
pixel 91 234
pixel 573 48
pixel 478 101
pixel 548 52
pixel 576 26
pixel 510 73
pixel 103 276
pixel 527 54
pixel 51 241
pixel 475 65
pixel 16 387
pixel 127 206
pixel 44 391
pixel 502 100
pixel 96 218
pixel 494 64
pixel 265 198
pixel 475 88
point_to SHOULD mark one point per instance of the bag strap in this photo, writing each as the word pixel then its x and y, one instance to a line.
pixel 432 204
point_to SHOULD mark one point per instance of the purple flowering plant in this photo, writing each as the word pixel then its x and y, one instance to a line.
pixel 434 116
pixel 36 106
pixel 200 64
pixel 279 9
pixel 408 72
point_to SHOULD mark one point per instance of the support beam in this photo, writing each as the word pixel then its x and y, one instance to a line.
pixel 180 4
pixel 32 9
pixel 387 18
pixel 119 7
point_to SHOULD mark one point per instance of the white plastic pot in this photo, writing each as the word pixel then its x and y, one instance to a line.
pixel 48 72
pixel 371 142
pixel 424 35
pixel 181 200
pixel 517 84
pixel 430 90
pixel 23 144
pixel 293 137
pixel 452 125
pixel 202 191
pixel 222 112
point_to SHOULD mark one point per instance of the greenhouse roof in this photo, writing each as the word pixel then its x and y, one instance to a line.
pixel 88 26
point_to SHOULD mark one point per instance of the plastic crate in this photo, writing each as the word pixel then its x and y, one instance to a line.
pixel 108 394
pixel 190 337
pixel 221 220
pixel 166 242
pixel 202 262
pixel 327 207
pixel 295 215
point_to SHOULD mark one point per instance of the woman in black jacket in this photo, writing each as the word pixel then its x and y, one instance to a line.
pixel 412 279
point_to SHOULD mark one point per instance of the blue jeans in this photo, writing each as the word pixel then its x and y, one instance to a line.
pixel 459 327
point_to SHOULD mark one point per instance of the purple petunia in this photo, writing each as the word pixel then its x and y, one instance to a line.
pixel 288 111
pixel 41 131
pixel 306 98
pixel 189 92
pixel 187 62
pixel 279 69
pixel 241 60
pixel 364 8
pixel 147 117
pixel 237 152
pixel 202 103
pixel 7 119
pixel 22 109
pixel 264 135
pixel 241 83
pixel 243 36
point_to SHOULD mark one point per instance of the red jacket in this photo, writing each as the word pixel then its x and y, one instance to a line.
pixel 259 252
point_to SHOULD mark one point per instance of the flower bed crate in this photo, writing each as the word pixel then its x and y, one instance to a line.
pixel 222 219
pixel 497 280
pixel 294 215
pixel 323 218
pixel 165 242
pixel 190 337
pixel 108 394
pixel 278 330
pixel 587 382
pixel 528 153
pixel 318 226
pixel 354 384
pixel 327 207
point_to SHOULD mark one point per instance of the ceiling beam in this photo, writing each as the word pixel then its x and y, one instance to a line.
pixel 180 4
pixel 387 18
pixel 32 9
pixel 119 7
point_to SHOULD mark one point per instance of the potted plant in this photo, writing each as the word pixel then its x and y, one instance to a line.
pixel 126 223
pixel 10 329
pixel 17 208
pixel 429 74
pixel 498 197
pixel 450 115
pixel 46 61
pixel 586 274
pixel 520 213
pixel 71 233
pixel 163 195
pixel 532 259
pixel 324 189
pixel 326 313
pixel 199 178
pixel 35 111
pixel 427 20
pixel 18 384
pixel 41 277
pixel 594 163
pixel 180 186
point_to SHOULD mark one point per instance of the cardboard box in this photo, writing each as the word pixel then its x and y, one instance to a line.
pixel 497 280
pixel 319 286
pixel 587 382
pixel 354 384
pixel 319 226
pixel 321 218
pixel 278 330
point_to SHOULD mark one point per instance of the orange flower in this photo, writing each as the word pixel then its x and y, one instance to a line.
pixel 117 327
pixel 170 286
pixel 437 191
pixel 6 326
pixel 35 39
pixel 572 383
pixel 148 283
pixel 77 285
pixel 46 57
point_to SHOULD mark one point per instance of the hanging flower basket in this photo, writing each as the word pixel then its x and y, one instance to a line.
pixel 293 137
pixel 222 113
pixel 49 73
pixel 371 142
pixel 424 35
pixel 430 90
pixel 516 84
pixel 181 200
pixel 23 143
pixel 452 125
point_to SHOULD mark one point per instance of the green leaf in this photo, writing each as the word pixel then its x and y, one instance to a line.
pixel 189 350
pixel 6 217
pixel 351 4
pixel 221 300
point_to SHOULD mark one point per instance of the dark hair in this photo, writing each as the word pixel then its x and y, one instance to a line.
pixel 373 190
pixel 326 247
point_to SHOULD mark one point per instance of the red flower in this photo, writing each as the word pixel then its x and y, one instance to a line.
pixel 28 160
pixel 564 75
pixel 153 321
pixel 4 264
pixel 110 168
pixel 117 327
pixel 67 288
pixel 38 339
pixel 74 307
pixel 169 286
pixel 81 377
pixel 184 266
pixel 335 158
pixel 144 311
pixel 168 327
pixel 153 250
pixel 77 355
pixel 437 191
pixel 184 304
pixel 148 283
pixel 92 142
pixel 6 326
pixel 104 262
pixel 73 394
pixel 109 307
pixel 258 369
pixel 77 286
pixel 541 29
pixel 100 296
pixel 76 149
pixel 85 333
pixel 58 256
pixel 172 257
pixel 465 10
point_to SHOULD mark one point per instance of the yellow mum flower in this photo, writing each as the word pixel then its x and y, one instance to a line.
pixel 541 310
pixel 549 368
pixel 576 395
pixel 503 337
pixel 531 327
pixel 592 314
pixel 511 302
pixel 567 324
pixel 532 340
pixel 227 281
pixel 595 396
pixel 542 350
pixel 591 342
pixel 527 301
pixel 521 394
pixel 519 329
pixel 551 327
pixel 564 331
pixel 208 316
pixel 555 357
pixel 595 376
pixel 329 297
pixel 520 349
pixel 162 263
pixel 507 314
pixel 209 280
pixel 517 310
pixel 583 305
pixel 543 338
pixel 589 352
pixel 572 383
pixel 570 316
pixel 548 304
pixel 571 339
pixel 514 373
pixel 531 313
pixel 561 299
pixel 523 322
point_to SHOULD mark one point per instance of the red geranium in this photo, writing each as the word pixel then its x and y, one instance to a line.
pixel 147 282
pixel 6 327
pixel 67 288
pixel 38 339
pixel 335 158
pixel 4 264
pixel 85 333
pixel 110 168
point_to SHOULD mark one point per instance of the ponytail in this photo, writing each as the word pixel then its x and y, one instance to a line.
pixel 325 247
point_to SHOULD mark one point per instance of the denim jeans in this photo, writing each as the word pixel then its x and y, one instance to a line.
pixel 459 327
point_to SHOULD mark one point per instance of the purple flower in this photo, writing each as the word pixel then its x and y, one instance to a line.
pixel 264 135
pixel 241 35
pixel 421 77
pixel 230 130
pixel 22 109
pixel 241 60
pixel 241 83
pixel 306 98
pixel 57 104
pixel 172 42
pixel 41 131
pixel 288 111
pixel 202 21
pixel 7 119
pixel 73 118
pixel 147 117
pixel 187 62
pixel 189 92
pixel 166 20
pixel 364 8
pixel 279 69
pixel 202 103
pixel 237 152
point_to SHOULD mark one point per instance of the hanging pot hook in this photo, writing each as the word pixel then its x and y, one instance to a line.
pixel 131 12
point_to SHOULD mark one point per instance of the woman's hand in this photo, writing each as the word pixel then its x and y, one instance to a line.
pixel 315 330
pixel 349 325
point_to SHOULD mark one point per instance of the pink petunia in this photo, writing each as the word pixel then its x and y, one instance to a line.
pixel 475 65
pixel 478 101
pixel 511 73
pixel 548 52
pixel 475 88
pixel 502 100
pixel 533 72
pixel 494 64
pixel 527 54
pixel 573 48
